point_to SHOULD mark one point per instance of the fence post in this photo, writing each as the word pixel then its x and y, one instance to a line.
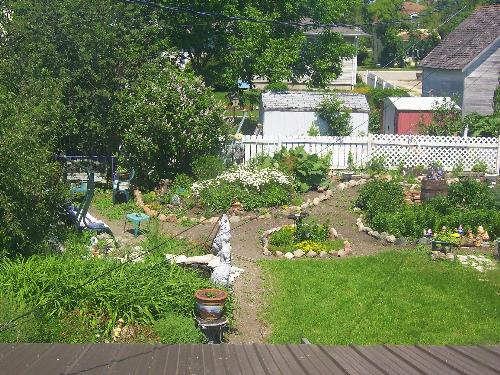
pixel 498 157
pixel 369 148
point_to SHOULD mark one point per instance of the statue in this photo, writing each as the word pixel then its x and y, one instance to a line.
pixel 221 273
pixel 223 235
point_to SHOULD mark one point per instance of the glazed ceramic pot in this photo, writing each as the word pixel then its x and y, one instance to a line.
pixel 210 303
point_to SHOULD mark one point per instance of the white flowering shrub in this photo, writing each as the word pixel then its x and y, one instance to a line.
pixel 253 187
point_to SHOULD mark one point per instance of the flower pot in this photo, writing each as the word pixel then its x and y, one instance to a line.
pixel 123 175
pixel 347 176
pixel 210 303
pixel 442 246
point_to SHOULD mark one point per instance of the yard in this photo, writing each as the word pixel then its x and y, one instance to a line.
pixel 396 297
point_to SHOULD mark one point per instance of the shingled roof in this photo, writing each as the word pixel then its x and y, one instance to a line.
pixel 309 101
pixel 467 41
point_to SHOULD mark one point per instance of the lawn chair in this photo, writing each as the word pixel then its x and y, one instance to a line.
pixel 121 187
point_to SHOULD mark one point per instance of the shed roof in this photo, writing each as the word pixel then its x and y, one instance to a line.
pixel 345 30
pixel 308 101
pixel 467 41
pixel 417 103
pixel 90 359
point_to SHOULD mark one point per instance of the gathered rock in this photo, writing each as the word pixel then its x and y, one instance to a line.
pixel 450 256
pixel 234 219
pixel 361 228
pixel 361 182
pixel 304 205
pixel 203 219
pixel 298 253
pixel 162 217
pixel 341 186
pixel 352 183
pixel 390 238
pixel 368 229
pixel 333 233
pixel 316 201
pixel 279 254
pixel 213 219
pixel 328 194
pixel 321 189
pixel 383 235
pixel 180 259
pixel 333 253
pixel 288 256
pixel 323 254
pixel 312 254
pixel 401 241
pixel 376 235
pixel 322 197
pixel 171 218
pixel 267 253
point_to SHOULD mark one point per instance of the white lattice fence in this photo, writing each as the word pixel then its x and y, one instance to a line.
pixel 424 150
pixel 397 149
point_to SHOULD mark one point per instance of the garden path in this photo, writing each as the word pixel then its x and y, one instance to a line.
pixel 249 288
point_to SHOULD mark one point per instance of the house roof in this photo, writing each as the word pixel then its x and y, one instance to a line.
pixel 248 359
pixel 416 103
pixel 410 8
pixel 467 41
pixel 345 30
pixel 308 101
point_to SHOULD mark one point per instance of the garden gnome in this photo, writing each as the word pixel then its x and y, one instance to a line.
pixel 460 230
pixel 469 239
pixel 428 233
pixel 93 247
pixel 238 149
pixel 483 233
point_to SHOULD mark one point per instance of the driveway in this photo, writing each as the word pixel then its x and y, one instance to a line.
pixel 406 79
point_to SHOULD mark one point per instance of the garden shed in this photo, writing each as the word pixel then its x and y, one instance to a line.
pixel 404 115
pixel 293 113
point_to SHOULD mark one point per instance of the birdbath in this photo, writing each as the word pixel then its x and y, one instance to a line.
pixel 298 217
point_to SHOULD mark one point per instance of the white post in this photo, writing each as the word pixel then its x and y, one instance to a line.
pixel 498 157
pixel 369 148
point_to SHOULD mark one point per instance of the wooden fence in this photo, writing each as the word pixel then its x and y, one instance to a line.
pixel 411 150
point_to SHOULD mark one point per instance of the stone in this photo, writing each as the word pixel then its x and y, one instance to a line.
pixel 450 256
pixel 267 253
pixel 214 262
pixel 181 259
pixel 341 186
pixel 365 176
pixel 383 235
pixel 323 254
pixel 234 219
pixel 401 241
pixel 202 259
pixel 362 182
pixel 352 183
pixel 312 254
pixel 162 217
pixel 203 219
pixel 329 194
pixel 316 201
pixel 390 238
pixel 321 189
pixel 279 254
pixel 265 216
pixel 368 230
pixel 361 228
pixel 298 253
pixel 288 256
pixel 171 218
pixel 322 197
pixel 341 254
pixel 265 241
pixel 213 219
pixel 333 253
pixel 194 220
pixel 333 233
pixel 304 206
pixel 376 235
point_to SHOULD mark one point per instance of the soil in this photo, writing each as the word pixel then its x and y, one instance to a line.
pixel 248 289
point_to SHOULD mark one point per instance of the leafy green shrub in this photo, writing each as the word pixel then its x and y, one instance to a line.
pixel 207 166
pixel 283 237
pixel 277 87
pixel 379 196
pixel 311 230
pixel 469 193
pixel 309 170
pixel 336 115
pixel 32 196
pixel 172 119
pixel 480 166
pixel 137 292
pixel 376 165
pixel 252 187
pixel 178 329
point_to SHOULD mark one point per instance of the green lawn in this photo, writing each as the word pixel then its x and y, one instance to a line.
pixel 103 203
pixel 394 298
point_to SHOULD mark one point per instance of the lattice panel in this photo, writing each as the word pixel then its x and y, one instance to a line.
pixel 424 150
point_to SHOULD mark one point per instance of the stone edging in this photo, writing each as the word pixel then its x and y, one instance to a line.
pixel 299 253
pixel 384 236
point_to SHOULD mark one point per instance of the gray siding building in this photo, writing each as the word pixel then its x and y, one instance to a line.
pixel 466 64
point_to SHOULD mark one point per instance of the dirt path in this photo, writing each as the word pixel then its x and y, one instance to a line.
pixel 248 289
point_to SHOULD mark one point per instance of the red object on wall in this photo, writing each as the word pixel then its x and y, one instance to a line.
pixel 408 122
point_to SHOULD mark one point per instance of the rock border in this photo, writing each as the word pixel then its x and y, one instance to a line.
pixel 384 236
pixel 332 234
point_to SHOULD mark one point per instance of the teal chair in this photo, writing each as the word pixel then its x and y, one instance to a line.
pixel 121 187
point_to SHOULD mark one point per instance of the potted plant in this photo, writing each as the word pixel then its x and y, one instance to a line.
pixel 210 303
pixel 122 173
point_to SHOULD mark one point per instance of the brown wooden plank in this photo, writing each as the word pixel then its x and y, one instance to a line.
pixel 98 359
pixel 330 362
pixel 233 365
pixel 495 349
pixel 175 363
pixel 23 357
pixel 425 363
pixel 194 359
pixel 240 356
pixel 158 363
pixel 485 357
pixel 254 359
pixel 352 361
pixel 55 360
pixel 133 359
pixel 209 362
pixel 270 366
pixel 6 349
pixel 308 359
pixel 385 360
pixel 282 362
pixel 458 362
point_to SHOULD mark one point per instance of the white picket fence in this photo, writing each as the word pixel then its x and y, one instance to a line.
pixel 377 82
pixel 411 150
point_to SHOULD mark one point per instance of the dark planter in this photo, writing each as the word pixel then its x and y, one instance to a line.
pixel 432 188
pixel 347 176
pixel 210 303
pixel 442 246
pixel 123 175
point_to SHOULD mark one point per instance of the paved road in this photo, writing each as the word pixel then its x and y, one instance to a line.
pixel 406 79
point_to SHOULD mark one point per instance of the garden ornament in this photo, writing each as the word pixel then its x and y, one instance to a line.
pixel 223 235
pixel 221 273
pixel 460 230
pixel 175 200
